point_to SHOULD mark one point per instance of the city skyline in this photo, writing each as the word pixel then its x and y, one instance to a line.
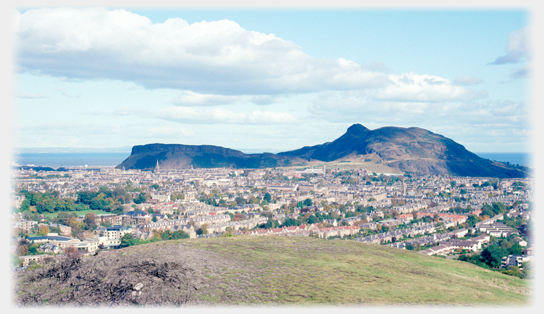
pixel 277 80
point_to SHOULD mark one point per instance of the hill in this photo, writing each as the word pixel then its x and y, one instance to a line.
pixel 266 271
pixel 178 156
pixel 412 150
pixel 403 150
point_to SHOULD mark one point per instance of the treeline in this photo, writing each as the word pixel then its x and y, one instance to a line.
pixel 488 211
pixel 129 240
pixel 48 202
pixel 304 219
pixel 103 199
pixel 492 255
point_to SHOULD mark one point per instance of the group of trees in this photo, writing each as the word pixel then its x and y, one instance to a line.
pixel 48 202
pixel 492 255
pixel 488 211
pixel 495 209
pixel 129 240
pixel 103 199
pixel 25 247
pixel 494 184
pixel 513 222
pixel 302 219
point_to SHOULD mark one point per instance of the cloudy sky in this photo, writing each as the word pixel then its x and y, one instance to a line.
pixel 274 80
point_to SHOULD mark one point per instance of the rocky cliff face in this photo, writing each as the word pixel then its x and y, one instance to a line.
pixel 412 150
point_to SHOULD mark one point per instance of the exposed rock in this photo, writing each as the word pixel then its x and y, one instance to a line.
pixel 167 278
pixel 138 286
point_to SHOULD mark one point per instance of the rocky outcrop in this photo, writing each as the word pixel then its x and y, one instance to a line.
pixel 166 277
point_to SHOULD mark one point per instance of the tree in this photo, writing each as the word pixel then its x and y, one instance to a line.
pixel 308 202
pixel 127 240
pixel 90 221
pixel 493 254
pixel 499 207
pixel 43 231
pixel 290 222
pixel 22 250
pixel 240 200
pixel 33 265
pixel 254 200
pixel 16 261
pixel 141 199
pixel 515 249
pixel 71 252
pixel 204 228
pixel 271 224
pixel 166 235
pixel 25 205
pixel 267 197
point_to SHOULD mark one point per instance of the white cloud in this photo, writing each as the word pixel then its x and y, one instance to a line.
pixel 217 57
pixel 168 131
pixel 222 116
pixel 524 72
pixel 264 99
pixel 425 88
pixel 376 66
pixel 468 80
pixel 123 111
pixel 358 107
pixel 189 98
pixel 68 94
pixel 517 47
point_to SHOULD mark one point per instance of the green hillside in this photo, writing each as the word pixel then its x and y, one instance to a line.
pixel 269 271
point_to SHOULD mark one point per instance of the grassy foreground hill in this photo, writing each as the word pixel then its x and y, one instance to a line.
pixel 267 271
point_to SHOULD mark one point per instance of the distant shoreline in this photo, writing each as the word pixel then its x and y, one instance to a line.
pixel 56 160
pixel 91 159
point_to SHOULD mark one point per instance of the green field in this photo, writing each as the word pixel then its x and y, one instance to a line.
pixel 80 213
pixel 269 271
pixel 293 270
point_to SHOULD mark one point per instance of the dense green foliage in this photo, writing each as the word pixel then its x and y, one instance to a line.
pixel 129 240
pixel 103 199
pixel 492 255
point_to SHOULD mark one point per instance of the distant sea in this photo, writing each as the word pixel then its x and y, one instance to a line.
pixel 522 159
pixel 56 160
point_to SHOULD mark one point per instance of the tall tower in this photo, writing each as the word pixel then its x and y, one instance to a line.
pixel 157 168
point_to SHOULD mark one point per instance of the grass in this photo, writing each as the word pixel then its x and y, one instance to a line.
pixel 298 270
pixel 308 271
pixel 80 213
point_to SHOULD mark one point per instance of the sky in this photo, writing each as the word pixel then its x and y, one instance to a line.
pixel 268 80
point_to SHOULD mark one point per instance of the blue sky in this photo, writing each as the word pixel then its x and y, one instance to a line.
pixel 272 80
